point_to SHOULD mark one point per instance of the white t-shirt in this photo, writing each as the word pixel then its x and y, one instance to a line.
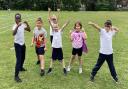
pixel 51 31
pixel 38 33
pixel 57 39
pixel 106 41
pixel 19 36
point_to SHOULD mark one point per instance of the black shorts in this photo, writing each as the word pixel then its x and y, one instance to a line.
pixel 77 51
pixel 40 50
pixel 57 53
pixel 51 38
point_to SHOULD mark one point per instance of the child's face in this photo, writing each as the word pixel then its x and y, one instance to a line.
pixel 78 27
pixel 54 20
pixel 17 20
pixel 39 24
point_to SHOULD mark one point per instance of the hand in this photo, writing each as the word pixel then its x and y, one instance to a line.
pixel 45 49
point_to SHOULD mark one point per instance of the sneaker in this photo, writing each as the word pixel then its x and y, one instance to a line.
pixel 92 78
pixel 38 62
pixel 23 69
pixel 17 79
pixel 65 71
pixel 68 68
pixel 80 70
pixel 42 73
pixel 49 70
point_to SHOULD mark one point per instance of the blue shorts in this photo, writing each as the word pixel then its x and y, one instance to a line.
pixel 57 53
pixel 40 50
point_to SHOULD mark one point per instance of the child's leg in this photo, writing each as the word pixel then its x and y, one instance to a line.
pixel 70 62
pixel 64 68
pixel 80 61
pixel 51 66
pixel 42 64
pixel 23 58
pixel 80 64
pixel 42 61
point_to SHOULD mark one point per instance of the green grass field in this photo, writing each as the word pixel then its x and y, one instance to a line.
pixel 57 80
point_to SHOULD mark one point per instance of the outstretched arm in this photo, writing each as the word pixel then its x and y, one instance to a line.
pixel 115 28
pixel 95 25
pixel 49 13
pixel 67 22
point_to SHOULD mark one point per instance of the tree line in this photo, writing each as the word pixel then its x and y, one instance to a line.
pixel 75 5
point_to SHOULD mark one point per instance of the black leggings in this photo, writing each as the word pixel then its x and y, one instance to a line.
pixel 20 57
pixel 100 61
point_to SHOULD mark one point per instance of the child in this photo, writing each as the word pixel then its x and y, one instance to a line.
pixel 57 52
pixel 106 50
pixel 19 44
pixel 77 37
pixel 39 39
pixel 53 19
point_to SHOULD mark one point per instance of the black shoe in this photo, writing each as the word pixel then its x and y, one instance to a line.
pixel 65 71
pixel 42 73
pixel 23 69
pixel 49 70
pixel 116 79
pixel 92 78
pixel 17 79
pixel 38 62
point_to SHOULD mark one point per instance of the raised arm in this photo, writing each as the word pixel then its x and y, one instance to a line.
pixel 58 10
pixel 115 28
pixel 49 13
pixel 28 27
pixel 66 23
pixel 95 25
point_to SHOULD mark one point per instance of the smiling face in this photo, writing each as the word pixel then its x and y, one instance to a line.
pixel 39 24
pixel 78 26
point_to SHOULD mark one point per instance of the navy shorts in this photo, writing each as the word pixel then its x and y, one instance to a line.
pixel 40 50
pixel 77 51
pixel 57 53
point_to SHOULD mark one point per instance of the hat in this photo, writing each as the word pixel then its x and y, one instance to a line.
pixel 17 16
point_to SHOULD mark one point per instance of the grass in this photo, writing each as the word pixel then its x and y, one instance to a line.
pixel 31 78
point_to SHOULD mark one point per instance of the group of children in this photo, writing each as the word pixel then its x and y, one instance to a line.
pixel 78 39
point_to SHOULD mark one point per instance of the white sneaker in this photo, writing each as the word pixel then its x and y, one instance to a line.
pixel 68 68
pixel 80 70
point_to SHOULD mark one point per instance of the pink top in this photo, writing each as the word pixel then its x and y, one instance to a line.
pixel 77 39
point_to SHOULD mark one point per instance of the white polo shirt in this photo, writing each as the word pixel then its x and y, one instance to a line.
pixel 106 41
pixel 19 36
pixel 57 39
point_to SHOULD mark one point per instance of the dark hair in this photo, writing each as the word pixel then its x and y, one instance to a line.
pixel 17 16
pixel 39 19
pixel 78 22
pixel 108 22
